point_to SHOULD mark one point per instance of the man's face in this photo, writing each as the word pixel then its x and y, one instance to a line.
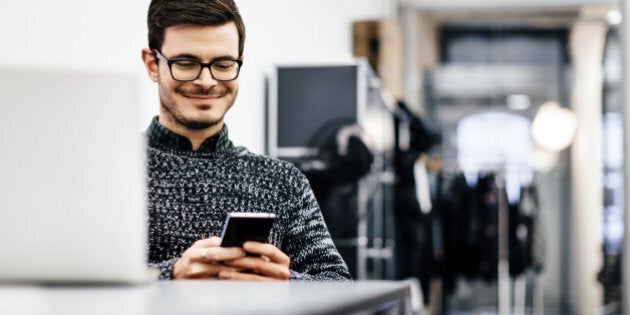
pixel 200 104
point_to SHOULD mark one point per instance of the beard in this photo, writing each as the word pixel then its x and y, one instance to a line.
pixel 196 122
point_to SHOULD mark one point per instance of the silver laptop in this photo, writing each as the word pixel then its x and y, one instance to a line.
pixel 72 178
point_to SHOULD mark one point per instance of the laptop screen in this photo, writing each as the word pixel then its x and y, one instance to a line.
pixel 72 177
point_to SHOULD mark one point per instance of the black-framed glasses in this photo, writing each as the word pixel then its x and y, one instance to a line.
pixel 185 69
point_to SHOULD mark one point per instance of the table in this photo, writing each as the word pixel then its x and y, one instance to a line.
pixel 210 297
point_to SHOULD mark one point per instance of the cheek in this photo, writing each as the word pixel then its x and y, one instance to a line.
pixel 167 92
pixel 232 86
pixel 167 86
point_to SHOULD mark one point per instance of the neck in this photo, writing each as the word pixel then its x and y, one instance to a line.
pixel 195 136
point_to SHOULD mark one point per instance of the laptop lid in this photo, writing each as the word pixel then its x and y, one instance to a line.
pixel 72 178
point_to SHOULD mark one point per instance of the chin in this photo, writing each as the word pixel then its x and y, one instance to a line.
pixel 200 125
pixel 199 122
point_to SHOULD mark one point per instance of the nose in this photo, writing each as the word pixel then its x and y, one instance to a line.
pixel 205 78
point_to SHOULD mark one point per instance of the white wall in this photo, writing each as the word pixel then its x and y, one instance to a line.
pixel 108 36
pixel 289 31
pixel 78 35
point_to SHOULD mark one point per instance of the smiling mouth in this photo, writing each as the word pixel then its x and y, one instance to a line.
pixel 203 97
pixel 202 102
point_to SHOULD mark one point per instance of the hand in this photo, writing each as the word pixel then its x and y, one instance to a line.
pixel 270 264
pixel 205 259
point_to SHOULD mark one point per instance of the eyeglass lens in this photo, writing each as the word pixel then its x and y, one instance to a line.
pixel 187 70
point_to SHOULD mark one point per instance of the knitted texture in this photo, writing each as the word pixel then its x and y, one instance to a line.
pixel 190 194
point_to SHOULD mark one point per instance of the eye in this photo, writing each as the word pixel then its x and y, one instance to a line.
pixel 224 64
pixel 184 63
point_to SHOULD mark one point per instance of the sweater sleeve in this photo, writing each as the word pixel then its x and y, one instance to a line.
pixel 165 268
pixel 313 254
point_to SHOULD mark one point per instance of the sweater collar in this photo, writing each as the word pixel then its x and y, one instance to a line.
pixel 159 135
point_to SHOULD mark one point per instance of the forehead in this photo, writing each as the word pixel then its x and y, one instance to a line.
pixel 207 40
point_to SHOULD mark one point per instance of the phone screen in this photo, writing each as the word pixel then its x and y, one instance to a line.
pixel 240 227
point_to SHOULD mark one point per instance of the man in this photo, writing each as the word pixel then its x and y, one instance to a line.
pixel 196 176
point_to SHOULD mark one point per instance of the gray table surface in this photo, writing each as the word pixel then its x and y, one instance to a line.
pixel 207 297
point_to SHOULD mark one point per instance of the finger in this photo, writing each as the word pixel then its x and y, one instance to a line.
pixel 214 255
pixel 239 276
pixel 207 271
pixel 203 252
pixel 268 250
pixel 208 242
pixel 262 267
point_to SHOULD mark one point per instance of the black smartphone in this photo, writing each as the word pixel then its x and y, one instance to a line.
pixel 240 227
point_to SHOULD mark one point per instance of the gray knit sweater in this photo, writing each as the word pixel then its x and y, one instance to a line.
pixel 190 194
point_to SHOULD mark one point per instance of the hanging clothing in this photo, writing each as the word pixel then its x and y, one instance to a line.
pixel 414 251
pixel 423 189
pixel 488 225
pixel 343 157
pixel 451 197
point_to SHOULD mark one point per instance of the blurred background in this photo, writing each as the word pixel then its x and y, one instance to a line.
pixel 474 145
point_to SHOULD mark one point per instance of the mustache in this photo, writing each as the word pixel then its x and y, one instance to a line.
pixel 199 91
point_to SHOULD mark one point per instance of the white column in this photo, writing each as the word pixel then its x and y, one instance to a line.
pixel 420 52
pixel 586 46
pixel 412 77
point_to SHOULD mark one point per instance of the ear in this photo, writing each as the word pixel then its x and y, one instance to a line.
pixel 148 58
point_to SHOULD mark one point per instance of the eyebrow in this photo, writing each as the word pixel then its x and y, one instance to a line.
pixel 191 56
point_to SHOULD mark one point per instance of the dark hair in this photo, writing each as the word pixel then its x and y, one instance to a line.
pixel 166 13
